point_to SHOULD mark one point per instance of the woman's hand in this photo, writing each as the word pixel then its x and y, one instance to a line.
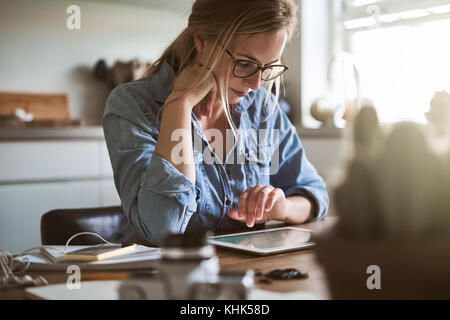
pixel 202 95
pixel 260 204
pixel 187 92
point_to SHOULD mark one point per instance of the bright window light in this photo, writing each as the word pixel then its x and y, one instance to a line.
pixel 402 67
pixel 359 3
pixel 359 23
pixel 412 14
pixel 388 18
pixel 440 9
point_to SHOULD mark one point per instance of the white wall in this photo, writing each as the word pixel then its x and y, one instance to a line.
pixel 39 54
pixel 292 54
pixel 316 52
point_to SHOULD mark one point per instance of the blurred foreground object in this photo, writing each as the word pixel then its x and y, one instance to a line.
pixel 439 115
pixel 189 269
pixel 394 213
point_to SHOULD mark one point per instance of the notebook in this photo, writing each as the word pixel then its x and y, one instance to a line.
pixel 99 252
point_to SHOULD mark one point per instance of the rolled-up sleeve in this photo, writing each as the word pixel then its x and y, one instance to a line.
pixel 296 175
pixel 156 197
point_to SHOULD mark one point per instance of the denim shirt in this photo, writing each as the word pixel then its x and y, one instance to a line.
pixel 157 198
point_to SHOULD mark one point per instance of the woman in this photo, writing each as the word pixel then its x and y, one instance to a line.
pixel 198 144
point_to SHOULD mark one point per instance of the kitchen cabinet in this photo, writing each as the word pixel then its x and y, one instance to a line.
pixel 59 169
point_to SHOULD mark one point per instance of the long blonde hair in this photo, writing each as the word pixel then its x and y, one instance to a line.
pixel 219 21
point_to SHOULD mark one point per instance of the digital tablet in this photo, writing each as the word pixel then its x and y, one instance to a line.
pixel 265 242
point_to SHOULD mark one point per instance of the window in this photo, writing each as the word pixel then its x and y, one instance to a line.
pixel 402 52
pixel 399 47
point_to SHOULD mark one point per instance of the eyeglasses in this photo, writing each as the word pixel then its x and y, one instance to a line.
pixel 247 68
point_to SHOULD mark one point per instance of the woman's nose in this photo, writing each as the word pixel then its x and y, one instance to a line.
pixel 254 82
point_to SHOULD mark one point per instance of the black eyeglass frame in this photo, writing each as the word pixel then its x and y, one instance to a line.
pixel 236 61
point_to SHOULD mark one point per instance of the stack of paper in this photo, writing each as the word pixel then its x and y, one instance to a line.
pixel 49 260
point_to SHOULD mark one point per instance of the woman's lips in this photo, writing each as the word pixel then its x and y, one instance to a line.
pixel 239 93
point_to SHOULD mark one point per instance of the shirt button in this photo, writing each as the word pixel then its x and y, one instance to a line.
pixel 228 202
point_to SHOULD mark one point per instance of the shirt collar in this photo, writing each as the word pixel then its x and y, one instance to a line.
pixel 245 102
pixel 162 84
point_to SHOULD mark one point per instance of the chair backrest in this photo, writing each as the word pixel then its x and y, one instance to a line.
pixel 57 226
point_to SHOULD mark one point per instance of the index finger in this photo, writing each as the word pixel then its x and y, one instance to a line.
pixel 242 204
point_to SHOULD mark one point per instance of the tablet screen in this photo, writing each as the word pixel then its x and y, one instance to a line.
pixel 268 239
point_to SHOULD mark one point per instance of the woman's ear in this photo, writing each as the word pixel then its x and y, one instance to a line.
pixel 199 42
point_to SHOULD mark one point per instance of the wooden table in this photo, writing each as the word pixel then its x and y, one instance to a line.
pixel 304 260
